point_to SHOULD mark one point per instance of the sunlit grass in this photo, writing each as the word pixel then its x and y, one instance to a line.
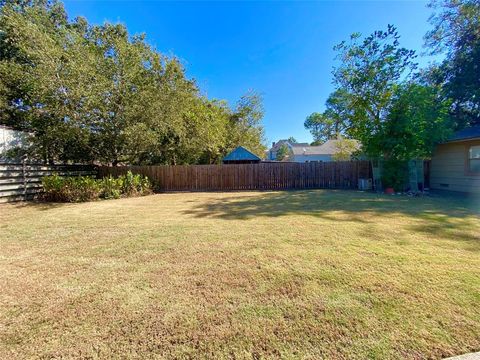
pixel 302 274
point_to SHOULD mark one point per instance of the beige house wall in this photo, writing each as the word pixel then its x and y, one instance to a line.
pixel 449 168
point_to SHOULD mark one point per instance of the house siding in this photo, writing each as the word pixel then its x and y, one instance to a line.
pixel 449 166
pixel 305 158
pixel 10 139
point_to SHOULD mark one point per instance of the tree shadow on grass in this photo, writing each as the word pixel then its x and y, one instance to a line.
pixel 443 217
pixel 323 203
pixel 39 205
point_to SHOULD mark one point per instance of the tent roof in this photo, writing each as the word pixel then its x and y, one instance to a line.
pixel 241 154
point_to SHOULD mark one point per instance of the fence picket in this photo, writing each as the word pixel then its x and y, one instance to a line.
pixel 263 176
pixel 23 181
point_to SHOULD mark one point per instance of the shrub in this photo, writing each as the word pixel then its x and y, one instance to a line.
pixel 54 188
pixel 84 188
pixel 145 186
pixel 70 189
pixel 395 174
pixel 133 185
pixel 111 187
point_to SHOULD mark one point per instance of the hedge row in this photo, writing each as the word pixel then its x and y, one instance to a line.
pixel 85 188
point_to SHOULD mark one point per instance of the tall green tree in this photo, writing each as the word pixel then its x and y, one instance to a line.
pixel 367 75
pixel 333 122
pixel 456 33
pixel 344 149
pixel 97 93
pixel 44 75
pixel 245 124
pixel 417 121
pixel 283 153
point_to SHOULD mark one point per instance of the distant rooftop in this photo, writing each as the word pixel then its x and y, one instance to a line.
pixel 299 144
pixel 285 141
pixel 466 134
pixel 327 148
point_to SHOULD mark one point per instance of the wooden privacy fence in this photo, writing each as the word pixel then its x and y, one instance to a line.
pixel 22 181
pixel 262 176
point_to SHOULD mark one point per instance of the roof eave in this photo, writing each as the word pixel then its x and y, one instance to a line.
pixel 462 140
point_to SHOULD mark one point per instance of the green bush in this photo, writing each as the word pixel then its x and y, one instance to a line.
pixel 70 189
pixel 111 187
pixel 54 188
pixel 395 174
pixel 84 188
pixel 133 185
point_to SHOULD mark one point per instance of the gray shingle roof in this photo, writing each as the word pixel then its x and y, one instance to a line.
pixel 241 154
pixel 328 148
pixel 282 142
pixel 466 134
pixel 299 144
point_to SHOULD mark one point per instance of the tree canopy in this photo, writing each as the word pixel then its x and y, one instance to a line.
pixel 418 119
pixel 456 33
pixel 333 122
pixel 283 153
pixel 344 149
pixel 96 93
pixel 368 73
pixel 382 101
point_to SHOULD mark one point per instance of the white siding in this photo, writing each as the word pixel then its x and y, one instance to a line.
pixel 10 139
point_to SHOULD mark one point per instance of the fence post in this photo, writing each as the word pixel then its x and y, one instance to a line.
pixel 24 175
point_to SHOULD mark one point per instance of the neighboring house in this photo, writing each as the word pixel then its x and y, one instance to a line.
pixel 455 164
pixel 272 153
pixel 306 153
pixel 11 139
pixel 240 155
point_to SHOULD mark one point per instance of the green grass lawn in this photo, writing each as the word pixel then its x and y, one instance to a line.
pixel 301 274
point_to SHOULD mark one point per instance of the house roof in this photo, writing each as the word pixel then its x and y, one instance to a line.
pixel 241 154
pixel 309 150
pixel 285 142
pixel 299 144
pixel 466 134
pixel 327 148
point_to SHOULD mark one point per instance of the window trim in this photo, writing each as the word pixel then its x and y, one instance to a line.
pixel 469 172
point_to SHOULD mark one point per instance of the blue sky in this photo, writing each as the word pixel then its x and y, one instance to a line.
pixel 283 50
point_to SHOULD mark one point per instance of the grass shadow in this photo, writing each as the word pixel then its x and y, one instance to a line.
pixel 444 217
pixel 322 203
pixel 38 205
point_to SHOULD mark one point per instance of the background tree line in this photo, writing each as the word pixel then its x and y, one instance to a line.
pixel 89 93
pixel 395 110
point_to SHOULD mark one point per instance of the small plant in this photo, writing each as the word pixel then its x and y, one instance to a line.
pixel 111 187
pixel 133 185
pixel 54 188
pixel 85 188
pixel 145 186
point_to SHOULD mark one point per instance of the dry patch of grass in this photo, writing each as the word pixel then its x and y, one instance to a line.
pixel 303 274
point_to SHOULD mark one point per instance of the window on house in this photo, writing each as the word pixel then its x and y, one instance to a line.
pixel 474 159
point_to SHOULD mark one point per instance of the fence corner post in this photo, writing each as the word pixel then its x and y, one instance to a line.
pixel 24 175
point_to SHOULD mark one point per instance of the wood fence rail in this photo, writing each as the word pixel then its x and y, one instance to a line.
pixel 262 176
pixel 22 181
